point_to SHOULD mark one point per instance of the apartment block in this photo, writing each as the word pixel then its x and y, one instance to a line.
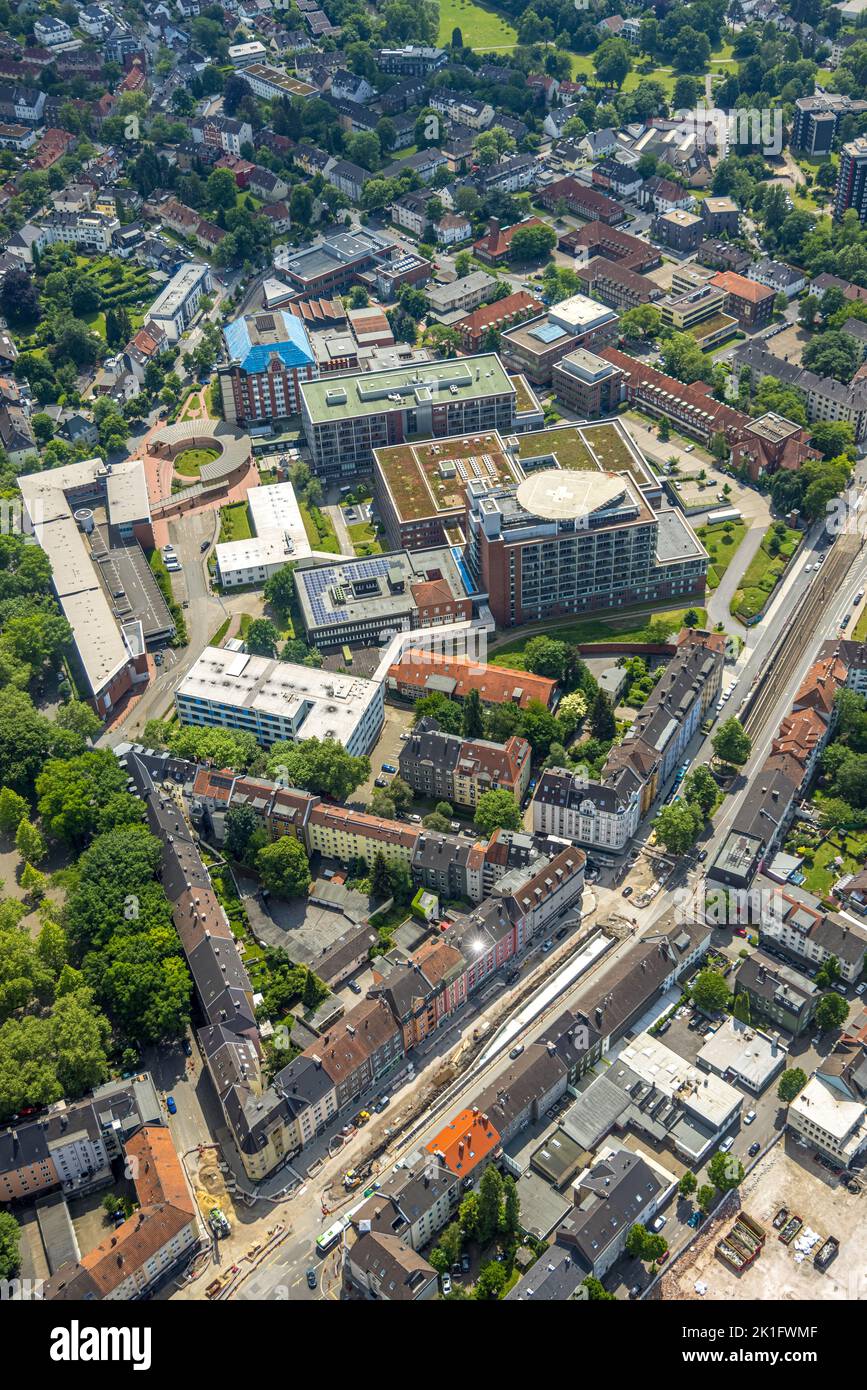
pixel 345 421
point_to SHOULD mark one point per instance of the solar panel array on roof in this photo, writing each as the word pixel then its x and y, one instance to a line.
pixel 319 582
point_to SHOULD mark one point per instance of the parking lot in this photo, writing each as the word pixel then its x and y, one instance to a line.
pixel 398 721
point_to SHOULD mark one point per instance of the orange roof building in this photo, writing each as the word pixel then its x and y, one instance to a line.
pixel 125 1264
pixel 424 673
pixel 468 1141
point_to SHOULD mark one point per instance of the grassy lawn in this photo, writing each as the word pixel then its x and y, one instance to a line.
pixel 481 27
pixel 721 545
pixel 364 539
pixel 235 522
pixel 860 632
pixel 629 627
pixel 763 574
pixel 320 529
pixel 819 867
pixel 190 463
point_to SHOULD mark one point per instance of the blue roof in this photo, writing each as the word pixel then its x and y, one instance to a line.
pixel 291 344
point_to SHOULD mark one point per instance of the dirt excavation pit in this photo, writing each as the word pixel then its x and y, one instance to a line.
pixel 210 1186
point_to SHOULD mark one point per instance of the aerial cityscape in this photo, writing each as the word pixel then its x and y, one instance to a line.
pixel 433 655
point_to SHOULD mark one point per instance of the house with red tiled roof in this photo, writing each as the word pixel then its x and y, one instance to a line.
pixel 420 673
pixel 819 687
pixel 278 215
pixel 751 304
pixel 493 247
pixel 158 1236
pixel 337 832
pixel 802 735
pixel 512 308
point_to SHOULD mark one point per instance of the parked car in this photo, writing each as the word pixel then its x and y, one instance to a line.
pixel 753 1149
pixel 446 1283
pixel 659 1222
pixel 663 1257
pixel 726 1145
pixel 749 1117
pixel 205 546
pixel 171 1105
pixel 702 856
pixel 389 767
pixel 380 781
pixel 627 892
pixel 548 946
pixel 465 1263
pixel 354 986
pixel 188 1048
pixel 311 1278
pixel 516 1051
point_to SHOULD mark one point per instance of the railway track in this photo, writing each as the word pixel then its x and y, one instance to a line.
pixel 799 633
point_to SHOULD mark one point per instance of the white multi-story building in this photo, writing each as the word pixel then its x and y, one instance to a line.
pixel 276 700
pixel 91 230
pixel 279 536
pixel 174 309
pixel 590 813
pixel 830 1113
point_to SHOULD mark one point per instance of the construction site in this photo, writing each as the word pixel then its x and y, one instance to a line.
pixel 793 1232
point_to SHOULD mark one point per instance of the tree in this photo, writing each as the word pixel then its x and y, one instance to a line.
pixel 72 792
pixel 684 359
pixel 596 1290
pixel 687 1184
pixel 29 842
pixel 645 1245
pixel 725 1171
pixel 731 743
pixel 532 243
pixel 832 354
pixel 10 1236
pixel 490 1203
pixel 678 826
pixel 642 322
pixel 497 809
pixel 279 590
pixel 700 789
pixel 602 722
pixel 831 1011
pixel 492 1278
pixel 704 1197
pixel 13 808
pixel 741 1007
pixel 380 883
pixel 240 826
pixel 474 715
pixel 320 766
pixel 545 656
pixel 690 618
pixel 19 298
pixel 710 991
pixel 221 189
pixel 468 1215
pixel 80 718
pixel 261 637
pixel 284 868
pixel 612 62
pixel 793 1080
pixel 511 1209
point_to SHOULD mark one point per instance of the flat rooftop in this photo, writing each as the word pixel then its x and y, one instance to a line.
pixel 752 1055
pixel 606 446
pixel 84 600
pixel 182 283
pixel 425 384
pixel 323 704
pixel 379 586
pixel 429 480
pixel 556 494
